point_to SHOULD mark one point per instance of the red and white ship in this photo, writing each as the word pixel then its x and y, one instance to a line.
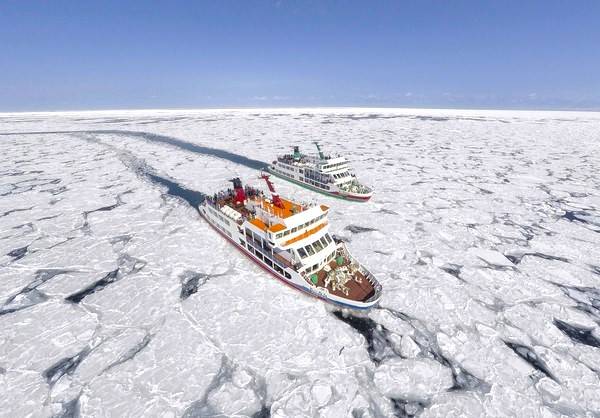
pixel 325 174
pixel 291 241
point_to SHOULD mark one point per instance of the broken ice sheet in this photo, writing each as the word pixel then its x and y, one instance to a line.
pixel 482 231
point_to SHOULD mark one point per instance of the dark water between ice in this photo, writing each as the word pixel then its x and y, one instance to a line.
pixel 193 197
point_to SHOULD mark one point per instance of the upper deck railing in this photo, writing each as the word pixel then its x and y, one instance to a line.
pixel 256 206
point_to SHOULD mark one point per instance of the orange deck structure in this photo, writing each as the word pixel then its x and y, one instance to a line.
pixel 289 208
pixel 259 224
pixel 277 228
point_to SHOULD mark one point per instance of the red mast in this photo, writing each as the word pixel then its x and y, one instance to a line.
pixel 274 195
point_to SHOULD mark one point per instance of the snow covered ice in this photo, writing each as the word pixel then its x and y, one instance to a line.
pixel 116 299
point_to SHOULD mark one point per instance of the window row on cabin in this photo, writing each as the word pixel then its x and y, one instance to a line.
pixel 314 180
pixel 317 184
pixel 328 166
pixel 341 175
pixel 316 175
pixel 325 167
pixel 257 238
pixel 299 227
pixel 286 166
pixel 224 230
pixel 218 215
pixel 264 255
pixel 315 267
pixel 315 247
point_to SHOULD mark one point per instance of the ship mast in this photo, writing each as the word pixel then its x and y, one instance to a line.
pixel 274 195
pixel 321 156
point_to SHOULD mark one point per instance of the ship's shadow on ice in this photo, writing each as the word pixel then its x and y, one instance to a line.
pixel 198 149
pixel 162 139
pixel 194 198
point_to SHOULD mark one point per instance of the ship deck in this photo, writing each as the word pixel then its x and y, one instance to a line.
pixel 229 201
pixel 358 288
pixel 289 208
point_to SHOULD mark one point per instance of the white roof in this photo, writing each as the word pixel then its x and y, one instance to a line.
pixel 235 215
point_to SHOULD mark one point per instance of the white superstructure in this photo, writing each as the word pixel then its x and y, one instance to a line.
pixel 292 242
pixel 323 173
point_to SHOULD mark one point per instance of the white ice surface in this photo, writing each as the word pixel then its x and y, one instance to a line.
pixel 117 300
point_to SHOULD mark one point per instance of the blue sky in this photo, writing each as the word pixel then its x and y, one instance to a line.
pixel 57 55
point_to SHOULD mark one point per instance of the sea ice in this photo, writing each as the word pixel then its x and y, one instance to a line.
pixel 116 299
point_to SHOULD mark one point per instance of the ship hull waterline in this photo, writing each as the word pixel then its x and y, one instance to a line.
pixel 281 278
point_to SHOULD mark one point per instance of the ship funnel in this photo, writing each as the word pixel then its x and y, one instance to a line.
pixel 240 195
pixel 296 153
pixel 274 195
pixel 321 156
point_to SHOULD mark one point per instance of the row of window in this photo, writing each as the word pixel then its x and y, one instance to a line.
pixel 334 165
pixel 284 165
pixel 280 171
pixel 223 229
pixel 257 238
pixel 316 181
pixel 315 175
pixel 317 184
pixel 341 175
pixel 299 227
pixel 315 267
pixel 218 215
pixel 315 247
pixel 265 256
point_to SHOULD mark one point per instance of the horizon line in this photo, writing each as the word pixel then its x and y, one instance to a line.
pixel 345 107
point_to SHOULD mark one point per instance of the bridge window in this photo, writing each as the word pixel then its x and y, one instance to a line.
pixel 318 246
pixel 310 250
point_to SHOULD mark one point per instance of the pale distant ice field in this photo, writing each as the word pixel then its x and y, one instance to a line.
pixel 117 300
